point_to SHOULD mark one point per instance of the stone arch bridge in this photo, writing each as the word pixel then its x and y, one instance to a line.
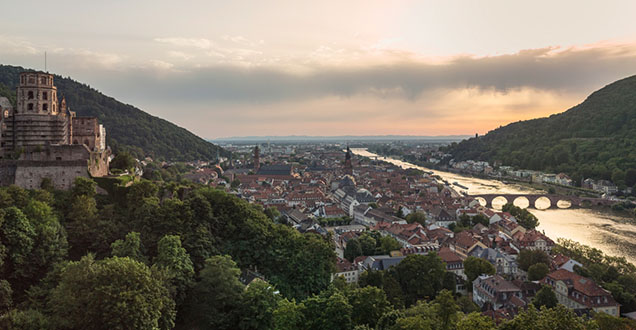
pixel 575 201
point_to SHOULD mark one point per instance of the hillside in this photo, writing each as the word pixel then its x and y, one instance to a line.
pixel 127 127
pixel 596 138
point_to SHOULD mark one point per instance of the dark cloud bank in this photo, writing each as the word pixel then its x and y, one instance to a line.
pixel 572 71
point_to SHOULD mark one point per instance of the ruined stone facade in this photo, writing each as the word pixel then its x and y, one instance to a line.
pixel 41 138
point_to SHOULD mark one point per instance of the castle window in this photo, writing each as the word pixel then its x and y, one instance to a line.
pixel 43 80
pixel 30 95
pixel 31 80
pixel 45 107
pixel 45 96
pixel 30 106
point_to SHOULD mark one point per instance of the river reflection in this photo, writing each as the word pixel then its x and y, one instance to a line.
pixel 612 234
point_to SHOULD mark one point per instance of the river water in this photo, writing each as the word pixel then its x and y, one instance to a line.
pixel 612 234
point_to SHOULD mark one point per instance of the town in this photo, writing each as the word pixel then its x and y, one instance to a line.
pixel 377 214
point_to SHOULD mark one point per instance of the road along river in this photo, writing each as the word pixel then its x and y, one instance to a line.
pixel 612 234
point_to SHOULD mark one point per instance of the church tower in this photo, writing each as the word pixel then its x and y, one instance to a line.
pixel 348 167
pixel 257 158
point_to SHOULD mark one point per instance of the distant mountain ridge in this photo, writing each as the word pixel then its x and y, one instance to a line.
pixel 596 139
pixel 127 127
pixel 343 138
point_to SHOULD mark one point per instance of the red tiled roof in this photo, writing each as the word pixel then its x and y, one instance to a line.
pixel 449 255
pixel 580 283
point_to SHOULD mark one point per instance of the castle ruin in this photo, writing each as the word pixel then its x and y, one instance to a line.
pixel 41 138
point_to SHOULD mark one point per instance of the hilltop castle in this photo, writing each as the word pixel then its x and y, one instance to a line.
pixel 41 138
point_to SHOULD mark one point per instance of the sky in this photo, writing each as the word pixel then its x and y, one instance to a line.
pixel 249 68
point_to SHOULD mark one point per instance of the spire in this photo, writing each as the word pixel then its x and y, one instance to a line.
pixel 347 165
pixel 257 158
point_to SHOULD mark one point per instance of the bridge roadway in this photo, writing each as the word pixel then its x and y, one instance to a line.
pixel 575 201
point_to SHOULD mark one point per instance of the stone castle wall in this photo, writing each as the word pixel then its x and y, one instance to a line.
pixel 29 174
pixel 62 164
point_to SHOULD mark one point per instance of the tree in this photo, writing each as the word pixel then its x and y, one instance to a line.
pixel 558 317
pixel 545 297
pixel 257 306
pixel 523 216
pixel 29 319
pixel 369 304
pixel 5 296
pixel 215 299
pixel 50 244
pixel 466 305
pixel 473 267
pixel 368 244
pixel 537 271
pixel 18 237
pixel 327 312
pixel 446 309
pixel 606 321
pixel 123 161
pixel 288 315
pixel 420 276
pixel 272 213
pixel 475 321
pixel 412 323
pixel 418 217
pixel 84 187
pixel 174 261
pixel 388 244
pixel 47 184
pixel 353 249
pixel 129 247
pixel 480 218
pixel 81 222
pixel 114 293
pixel 393 290
pixel 528 258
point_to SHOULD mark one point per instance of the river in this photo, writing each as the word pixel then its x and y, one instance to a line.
pixel 612 234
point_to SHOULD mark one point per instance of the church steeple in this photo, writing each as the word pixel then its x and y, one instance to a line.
pixel 257 158
pixel 348 167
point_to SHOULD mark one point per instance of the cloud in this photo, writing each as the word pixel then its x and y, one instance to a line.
pixel 13 45
pixel 180 55
pixel 200 43
pixel 337 90
pixel 552 69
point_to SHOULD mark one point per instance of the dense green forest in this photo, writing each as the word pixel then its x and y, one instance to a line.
pixel 596 139
pixel 158 255
pixel 127 128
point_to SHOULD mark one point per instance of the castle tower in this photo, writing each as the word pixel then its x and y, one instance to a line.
pixel 36 94
pixel 38 120
pixel 348 167
pixel 257 158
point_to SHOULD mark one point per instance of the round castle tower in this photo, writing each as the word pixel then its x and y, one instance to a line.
pixel 37 94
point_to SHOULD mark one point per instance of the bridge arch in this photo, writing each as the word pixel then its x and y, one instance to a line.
pixel 498 202
pixel 563 204
pixel 522 202
pixel 482 201
pixel 542 203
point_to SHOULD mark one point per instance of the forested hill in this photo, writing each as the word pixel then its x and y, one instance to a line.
pixel 126 126
pixel 596 138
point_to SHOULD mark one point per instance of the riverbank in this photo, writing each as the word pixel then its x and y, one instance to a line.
pixel 613 234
